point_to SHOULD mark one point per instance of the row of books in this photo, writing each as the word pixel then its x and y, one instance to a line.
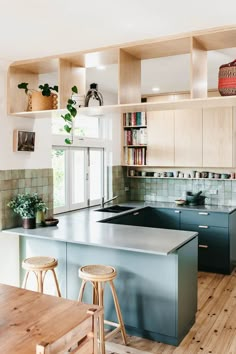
pixel 135 136
pixel 134 118
pixel 135 156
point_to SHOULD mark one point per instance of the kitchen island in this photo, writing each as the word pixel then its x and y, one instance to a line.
pixel 157 268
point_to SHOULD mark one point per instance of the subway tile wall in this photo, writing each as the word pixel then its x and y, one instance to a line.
pixel 13 182
pixel 167 189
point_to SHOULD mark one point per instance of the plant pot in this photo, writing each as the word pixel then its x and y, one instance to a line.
pixel 29 223
pixel 38 102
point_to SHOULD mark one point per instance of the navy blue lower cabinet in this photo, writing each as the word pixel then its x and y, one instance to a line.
pixel 157 294
pixel 165 218
pixel 140 217
pixel 217 238
pixel 213 247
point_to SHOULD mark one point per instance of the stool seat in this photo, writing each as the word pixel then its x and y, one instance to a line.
pixel 97 272
pixel 39 265
pixel 98 275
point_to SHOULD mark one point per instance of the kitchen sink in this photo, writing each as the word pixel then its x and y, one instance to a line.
pixel 115 209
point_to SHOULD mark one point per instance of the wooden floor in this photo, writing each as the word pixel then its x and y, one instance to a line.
pixel 214 330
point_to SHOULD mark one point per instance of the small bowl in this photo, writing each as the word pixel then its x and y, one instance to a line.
pixel 180 201
pixel 51 222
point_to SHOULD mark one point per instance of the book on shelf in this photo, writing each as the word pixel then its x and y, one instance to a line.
pixel 134 118
pixel 135 136
pixel 135 156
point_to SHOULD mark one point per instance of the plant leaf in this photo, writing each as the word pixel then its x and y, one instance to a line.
pixel 67 117
pixel 74 89
pixel 68 141
pixel 67 128
pixel 24 85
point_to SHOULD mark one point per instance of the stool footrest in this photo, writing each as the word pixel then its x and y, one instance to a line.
pixel 110 323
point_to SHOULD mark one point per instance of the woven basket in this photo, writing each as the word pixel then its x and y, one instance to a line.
pixel 38 102
pixel 227 79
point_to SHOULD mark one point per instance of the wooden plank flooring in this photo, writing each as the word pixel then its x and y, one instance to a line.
pixel 214 331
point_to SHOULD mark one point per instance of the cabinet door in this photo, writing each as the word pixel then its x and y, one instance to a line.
pixel 218 137
pixel 160 150
pixel 188 137
pixel 135 218
pixel 165 218
pixel 213 248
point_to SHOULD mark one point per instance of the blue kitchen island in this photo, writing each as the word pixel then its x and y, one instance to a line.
pixel 157 268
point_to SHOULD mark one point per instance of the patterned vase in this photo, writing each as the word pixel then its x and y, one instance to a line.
pixel 227 79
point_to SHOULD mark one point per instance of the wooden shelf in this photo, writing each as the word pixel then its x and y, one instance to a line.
pixel 210 179
pixel 210 102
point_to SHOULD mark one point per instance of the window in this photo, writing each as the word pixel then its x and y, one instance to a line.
pixel 78 177
pixel 83 127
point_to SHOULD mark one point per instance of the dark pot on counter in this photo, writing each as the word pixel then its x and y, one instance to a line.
pixel 195 199
pixel 29 223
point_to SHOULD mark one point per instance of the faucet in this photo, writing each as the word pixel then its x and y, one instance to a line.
pixel 107 201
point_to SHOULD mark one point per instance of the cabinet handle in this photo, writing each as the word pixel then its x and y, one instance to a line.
pixel 202 246
pixel 203 226
pixel 203 213
pixel 177 211
pixel 136 213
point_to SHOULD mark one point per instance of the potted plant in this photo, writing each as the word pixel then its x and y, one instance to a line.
pixel 41 99
pixel 26 205
pixel 70 115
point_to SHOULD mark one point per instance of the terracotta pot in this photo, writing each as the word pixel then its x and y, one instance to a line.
pixel 38 102
pixel 29 223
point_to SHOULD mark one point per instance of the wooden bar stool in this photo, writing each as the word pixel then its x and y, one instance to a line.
pixel 98 276
pixel 39 266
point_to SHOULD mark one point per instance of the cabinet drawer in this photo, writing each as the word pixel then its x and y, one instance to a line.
pixel 213 247
pixel 199 217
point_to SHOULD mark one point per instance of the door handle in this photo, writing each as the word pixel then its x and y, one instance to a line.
pixel 203 226
pixel 203 213
pixel 177 211
pixel 203 246
pixel 136 213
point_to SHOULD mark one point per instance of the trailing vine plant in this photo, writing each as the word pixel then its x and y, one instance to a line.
pixel 70 115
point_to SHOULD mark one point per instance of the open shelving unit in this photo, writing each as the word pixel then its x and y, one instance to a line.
pixel 68 70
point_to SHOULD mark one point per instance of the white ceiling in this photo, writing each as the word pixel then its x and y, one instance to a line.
pixel 31 29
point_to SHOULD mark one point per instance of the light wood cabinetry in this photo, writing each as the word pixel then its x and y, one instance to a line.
pixel 218 137
pixel 188 137
pixel 160 135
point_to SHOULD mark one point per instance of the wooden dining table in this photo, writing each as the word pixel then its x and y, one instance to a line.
pixel 28 318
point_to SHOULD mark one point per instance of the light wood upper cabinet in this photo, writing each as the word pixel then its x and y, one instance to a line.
pixel 218 137
pixel 160 150
pixel 188 137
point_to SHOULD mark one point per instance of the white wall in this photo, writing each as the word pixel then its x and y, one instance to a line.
pixel 41 157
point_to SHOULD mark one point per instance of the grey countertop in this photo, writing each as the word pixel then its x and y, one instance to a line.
pixel 82 227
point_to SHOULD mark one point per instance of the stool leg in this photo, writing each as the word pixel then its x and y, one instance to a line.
pixel 40 281
pixel 118 312
pixel 101 319
pixel 81 292
pixel 25 280
pixel 95 293
pixel 56 282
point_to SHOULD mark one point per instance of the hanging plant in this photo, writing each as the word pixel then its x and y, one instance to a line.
pixel 70 115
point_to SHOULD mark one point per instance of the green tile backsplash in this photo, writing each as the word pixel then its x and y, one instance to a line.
pixel 13 182
pixel 167 189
